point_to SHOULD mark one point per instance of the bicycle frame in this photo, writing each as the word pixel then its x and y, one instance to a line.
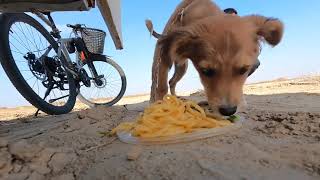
pixel 61 41
pixel 64 54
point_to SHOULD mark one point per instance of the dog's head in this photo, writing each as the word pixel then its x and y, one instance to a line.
pixel 223 49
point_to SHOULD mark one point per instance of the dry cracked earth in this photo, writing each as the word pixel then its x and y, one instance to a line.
pixel 280 139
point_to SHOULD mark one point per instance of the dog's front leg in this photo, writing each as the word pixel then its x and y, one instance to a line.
pixel 155 74
pixel 154 83
pixel 179 72
pixel 162 85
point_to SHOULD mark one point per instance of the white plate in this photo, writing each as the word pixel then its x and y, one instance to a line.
pixel 127 137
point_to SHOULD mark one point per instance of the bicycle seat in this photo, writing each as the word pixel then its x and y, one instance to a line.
pixel 43 5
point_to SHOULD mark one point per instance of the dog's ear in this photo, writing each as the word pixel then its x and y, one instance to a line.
pixel 270 29
pixel 180 45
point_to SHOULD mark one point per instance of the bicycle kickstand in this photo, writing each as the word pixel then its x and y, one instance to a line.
pixel 45 96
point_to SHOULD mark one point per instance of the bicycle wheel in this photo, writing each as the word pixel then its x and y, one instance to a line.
pixel 28 56
pixel 108 89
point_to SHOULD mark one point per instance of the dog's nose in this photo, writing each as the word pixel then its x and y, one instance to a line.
pixel 227 110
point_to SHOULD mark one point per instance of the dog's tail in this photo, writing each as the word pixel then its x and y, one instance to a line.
pixel 151 30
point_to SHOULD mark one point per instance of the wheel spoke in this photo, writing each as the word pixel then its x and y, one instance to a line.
pixel 38 86
pixel 23 33
pixel 25 46
pixel 111 88
pixel 34 83
pixel 30 78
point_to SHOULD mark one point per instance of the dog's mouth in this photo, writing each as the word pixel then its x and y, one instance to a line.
pixel 213 113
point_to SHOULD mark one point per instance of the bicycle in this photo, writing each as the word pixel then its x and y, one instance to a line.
pixel 45 58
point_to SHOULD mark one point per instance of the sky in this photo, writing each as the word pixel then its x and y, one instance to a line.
pixel 298 54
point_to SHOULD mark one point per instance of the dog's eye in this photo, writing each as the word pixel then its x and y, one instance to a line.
pixel 208 72
pixel 243 70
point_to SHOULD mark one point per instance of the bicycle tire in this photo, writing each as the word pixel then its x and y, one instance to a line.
pixel 120 94
pixel 10 67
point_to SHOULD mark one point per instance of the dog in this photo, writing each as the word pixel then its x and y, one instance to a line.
pixel 223 48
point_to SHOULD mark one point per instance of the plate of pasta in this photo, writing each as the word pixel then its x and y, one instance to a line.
pixel 173 120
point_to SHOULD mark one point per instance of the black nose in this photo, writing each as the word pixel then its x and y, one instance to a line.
pixel 227 110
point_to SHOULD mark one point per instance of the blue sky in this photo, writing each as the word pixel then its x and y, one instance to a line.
pixel 298 54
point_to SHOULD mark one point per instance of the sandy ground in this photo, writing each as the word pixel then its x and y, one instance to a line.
pixel 279 140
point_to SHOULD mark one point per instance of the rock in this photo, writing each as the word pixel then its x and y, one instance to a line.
pixel 64 177
pixel 80 116
pixel 61 160
pixel 282 130
pixel 6 169
pixel 40 168
pixel 17 167
pixel 255 118
pixel 309 169
pixel 291 127
pixel 71 126
pixel 3 142
pixel 25 169
pixel 271 124
pixel 134 153
pixel 278 118
pixel 36 176
pixel 307 134
pixel 261 129
pixel 5 161
pixel 308 164
pixel 17 176
pixel 261 119
pixel 40 162
pixel 264 162
pixel 23 150
pixel 295 132
pixel 5 157
pixel 312 129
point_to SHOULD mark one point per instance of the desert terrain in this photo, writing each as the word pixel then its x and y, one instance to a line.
pixel 280 139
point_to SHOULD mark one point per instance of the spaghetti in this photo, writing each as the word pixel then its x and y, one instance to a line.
pixel 168 117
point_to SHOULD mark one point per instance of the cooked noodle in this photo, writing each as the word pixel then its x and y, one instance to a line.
pixel 168 117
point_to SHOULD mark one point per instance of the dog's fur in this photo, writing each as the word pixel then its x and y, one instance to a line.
pixel 223 48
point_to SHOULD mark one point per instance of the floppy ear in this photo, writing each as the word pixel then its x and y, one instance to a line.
pixel 270 29
pixel 180 45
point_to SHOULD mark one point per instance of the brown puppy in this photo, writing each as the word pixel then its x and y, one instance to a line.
pixel 223 48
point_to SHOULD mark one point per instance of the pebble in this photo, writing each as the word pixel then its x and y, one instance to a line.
pixel 312 129
pixel 17 176
pixel 36 176
pixel 134 153
pixel 81 116
pixel 60 160
pixel 3 142
pixel 290 127
pixel 5 161
pixel 39 168
pixel 17 167
pixel 295 132
pixel 271 124
pixel 23 150
pixel 64 177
